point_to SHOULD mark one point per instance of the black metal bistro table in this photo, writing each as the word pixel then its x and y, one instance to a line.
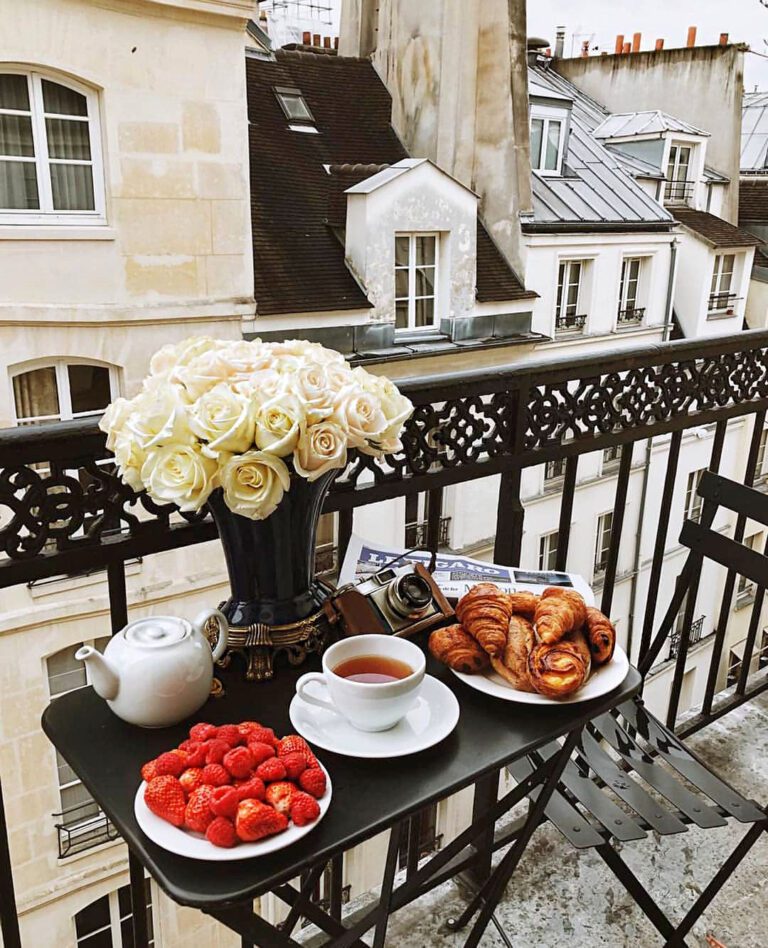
pixel 369 796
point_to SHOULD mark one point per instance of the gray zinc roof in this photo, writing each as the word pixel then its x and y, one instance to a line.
pixel 754 131
pixel 626 124
pixel 594 188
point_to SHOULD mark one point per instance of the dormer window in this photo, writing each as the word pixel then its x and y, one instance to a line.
pixel 296 110
pixel 679 187
pixel 547 140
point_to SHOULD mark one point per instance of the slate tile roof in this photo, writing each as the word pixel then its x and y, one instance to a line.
pixel 298 180
pixel 715 230
pixel 753 200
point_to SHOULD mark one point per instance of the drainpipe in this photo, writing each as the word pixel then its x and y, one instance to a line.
pixel 670 288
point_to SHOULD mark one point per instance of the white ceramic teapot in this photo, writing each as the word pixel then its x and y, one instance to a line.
pixel 156 671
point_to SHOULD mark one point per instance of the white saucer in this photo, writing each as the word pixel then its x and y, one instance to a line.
pixel 431 719
pixel 196 846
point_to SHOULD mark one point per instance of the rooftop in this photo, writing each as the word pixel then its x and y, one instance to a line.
pixel 714 230
pixel 754 131
pixel 626 124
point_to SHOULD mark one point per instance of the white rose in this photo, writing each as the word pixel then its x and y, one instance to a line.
pixel 180 474
pixel 261 386
pixel 396 407
pixel 202 373
pixel 377 449
pixel 245 358
pixel 223 418
pixel 130 459
pixel 165 360
pixel 160 416
pixel 310 386
pixel 114 418
pixel 253 483
pixel 277 424
pixel 322 447
pixel 359 413
pixel 339 376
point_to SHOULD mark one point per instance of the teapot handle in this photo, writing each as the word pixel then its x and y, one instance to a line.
pixel 199 622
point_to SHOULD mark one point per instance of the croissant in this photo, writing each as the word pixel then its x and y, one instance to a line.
pixel 601 636
pixel 524 603
pixel 458 650
pixel 485 612
pixel 559 612
pixel 512 664
pixel 560 669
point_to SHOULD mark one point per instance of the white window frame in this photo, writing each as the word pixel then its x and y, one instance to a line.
pixel 62 386
pixel 624 284
pixel 693 502
pixel 601 548
pixel 115 919
pixel 719 277
pixel 745 588
pixel 547 549
pixel 46 214
pixel 671 180
pixel 561 293
pixel 546 116
pixel 412 328
pixel 762 454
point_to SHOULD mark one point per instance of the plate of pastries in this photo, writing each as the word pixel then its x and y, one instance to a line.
pixel 519 646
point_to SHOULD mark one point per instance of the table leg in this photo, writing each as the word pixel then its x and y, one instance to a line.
pixel 305 894
pixel 486 794
pixel 385 896
pixel 138 902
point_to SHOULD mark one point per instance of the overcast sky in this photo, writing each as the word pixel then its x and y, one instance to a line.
pixel 746 21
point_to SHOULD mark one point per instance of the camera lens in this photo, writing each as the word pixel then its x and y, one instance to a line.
pixel 409 595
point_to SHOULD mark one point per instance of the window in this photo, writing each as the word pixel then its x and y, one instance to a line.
pixel 50 162
pixel 107 922
pixel 603 544
pixel 428 840
pixel 611 456
pixel 762 652
pixel 629 311
pixel 547 141
pixel 554 470
pixel 415 281
pixel 81 823
pixel 693 503
pixel 548 552
pixel 745 591
pixel 734 669
pixel 62 390
pixel 760 472
pixel 569 281
pixel 678 188
pixel 720 296
pixel 293 104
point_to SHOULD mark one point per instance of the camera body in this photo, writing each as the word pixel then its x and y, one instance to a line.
pixel 399 600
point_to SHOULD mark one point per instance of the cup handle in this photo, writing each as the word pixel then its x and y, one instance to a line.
pixel 199 622
pixel 303 692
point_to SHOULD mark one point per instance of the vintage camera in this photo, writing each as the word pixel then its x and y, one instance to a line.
pixel 399 600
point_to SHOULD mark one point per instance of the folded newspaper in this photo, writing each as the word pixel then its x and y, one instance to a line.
pixel 454 574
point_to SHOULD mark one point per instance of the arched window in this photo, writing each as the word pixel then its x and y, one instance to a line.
pixel 106 923
pixel 50 151
pixel 61 390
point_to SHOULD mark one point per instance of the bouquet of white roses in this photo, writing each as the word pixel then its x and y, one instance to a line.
pixel 234 415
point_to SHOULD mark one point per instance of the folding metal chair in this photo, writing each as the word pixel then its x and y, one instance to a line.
pixel 589 817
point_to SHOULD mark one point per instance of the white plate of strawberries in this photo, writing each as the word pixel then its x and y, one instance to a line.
pixel 232 792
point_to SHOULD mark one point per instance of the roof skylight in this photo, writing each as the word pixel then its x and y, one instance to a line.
pixel 294 106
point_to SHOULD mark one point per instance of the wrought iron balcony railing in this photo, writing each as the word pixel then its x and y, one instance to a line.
pixel 466 426
pixel 678 192
pixel 631 316
pixel 575 323
pixel 417 534
pixel 80 828
pixel 722 304
pixel 694 636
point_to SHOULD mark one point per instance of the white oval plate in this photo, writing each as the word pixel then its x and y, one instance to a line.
pixel 431 719
pixel 184 843
pixel 600 682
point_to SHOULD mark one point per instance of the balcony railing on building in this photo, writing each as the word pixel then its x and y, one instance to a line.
pixel 417 534
pixel 722 304
pixel 631 316
pixel 678 192
pixel 82 827
pixel 570 323
pixel 676 635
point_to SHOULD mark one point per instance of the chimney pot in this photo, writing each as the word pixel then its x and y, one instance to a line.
pixel 335 42
pixel 548 52
pixel 723 39
pixel 619 43
pixel 626 48
pixel 326 42
pixel 636 37
pixel 691 41
pixel 559 42
pixel 315 39
pixel 659 44
pixel 585 49
pixel 306 38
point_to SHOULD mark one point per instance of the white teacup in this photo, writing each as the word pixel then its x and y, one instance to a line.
pixel 368 706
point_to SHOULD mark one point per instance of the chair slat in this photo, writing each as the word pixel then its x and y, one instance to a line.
pixel 725 551
pixel 565 817
pixel 678 756
pixel 652 811
pixel 734 496
pixel 655 776
pixel 616 821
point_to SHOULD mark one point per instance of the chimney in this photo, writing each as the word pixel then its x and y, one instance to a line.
pixel 691 41
pixel 585 49
pixel 306 38
pixel 659 44
pixel 626 48
pixel 315 39
pixel 636 37
pixel 619 44
pixel 548 52
pixel 326 42
pixel 559 42
pixel 723 39
pixel 336 42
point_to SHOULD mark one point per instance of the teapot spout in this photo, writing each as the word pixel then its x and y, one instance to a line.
pixel 104 678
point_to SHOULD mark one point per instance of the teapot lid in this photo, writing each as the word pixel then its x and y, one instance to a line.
pixel 156 631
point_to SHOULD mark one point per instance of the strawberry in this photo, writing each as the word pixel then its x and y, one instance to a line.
pixel 216 775
pixel 224 801
pixel 239 762
pixel 191 779
pixel 271 770
pixel 303 808
pixel 196 753
pixel 263 734
pixel 246 728
pixel 216 751
pixel 172 763
pixel 280 794
pixel 149 770
pixel 292 744
pixel 252 789
pixel 221 832
pixel 313 781
pixel 294 764
pixel 202 732
pixel 198 815
pixel 256 820
pixel 165 798
pixel 187 746
pixel 230 734
pixel 260 751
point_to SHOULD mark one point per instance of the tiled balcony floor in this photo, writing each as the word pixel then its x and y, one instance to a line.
pixel 560 897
